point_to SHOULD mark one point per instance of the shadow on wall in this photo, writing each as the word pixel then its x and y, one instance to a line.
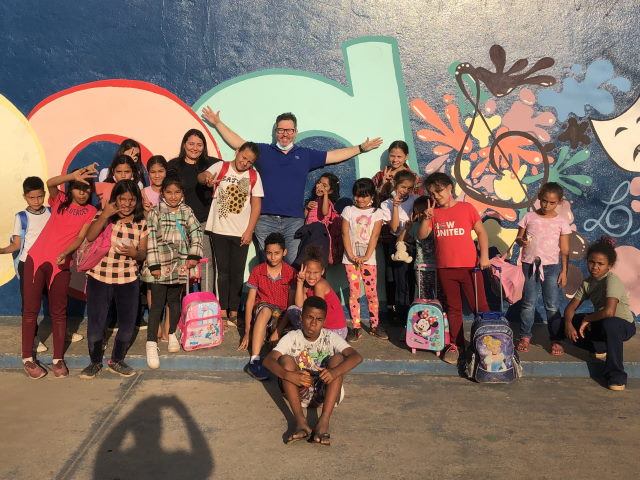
pixel 134 449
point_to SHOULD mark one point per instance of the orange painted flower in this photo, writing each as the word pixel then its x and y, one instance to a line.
pixel 449 137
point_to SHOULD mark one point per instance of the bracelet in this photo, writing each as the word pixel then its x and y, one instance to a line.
pixel 361 149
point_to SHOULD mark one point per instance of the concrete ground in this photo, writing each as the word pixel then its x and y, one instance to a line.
pixel 225 425
pixel 381 356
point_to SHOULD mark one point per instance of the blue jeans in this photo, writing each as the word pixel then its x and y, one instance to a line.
pixel 287 226
pixel 550 294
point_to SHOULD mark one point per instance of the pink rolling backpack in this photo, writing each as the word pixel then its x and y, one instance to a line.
pixel 200 324
pixel 427 324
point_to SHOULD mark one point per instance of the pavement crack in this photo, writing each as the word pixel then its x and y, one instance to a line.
pixel 70 467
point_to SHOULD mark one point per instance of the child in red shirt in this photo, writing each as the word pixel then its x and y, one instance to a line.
pixel 311 284
pixel 456 253
pixel 47 264
pixel 270 293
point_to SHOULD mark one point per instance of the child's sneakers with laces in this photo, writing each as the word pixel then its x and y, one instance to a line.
pixel 257 371
pixel 60 369
pixel 354 334
pixel 379 332
pixel 33 370
pixel 153 360
pixel 121 369
pixel 174 345
pixel 91 370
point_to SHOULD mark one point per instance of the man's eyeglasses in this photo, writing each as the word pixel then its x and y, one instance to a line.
pixel 289 131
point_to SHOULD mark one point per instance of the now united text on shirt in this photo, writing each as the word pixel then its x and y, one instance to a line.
pixel 449 229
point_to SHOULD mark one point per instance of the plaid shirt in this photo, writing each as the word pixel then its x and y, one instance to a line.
pixel 115 268
pixel 170 246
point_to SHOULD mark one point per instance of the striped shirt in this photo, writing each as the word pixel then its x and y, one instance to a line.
pixel 116 268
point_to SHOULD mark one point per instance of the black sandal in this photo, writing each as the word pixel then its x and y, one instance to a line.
pixel 319 437
pixel 293 439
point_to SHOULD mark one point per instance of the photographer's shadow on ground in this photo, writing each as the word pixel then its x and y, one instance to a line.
pixel 133 449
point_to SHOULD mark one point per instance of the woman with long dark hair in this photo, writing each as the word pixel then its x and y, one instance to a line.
pixel 192 160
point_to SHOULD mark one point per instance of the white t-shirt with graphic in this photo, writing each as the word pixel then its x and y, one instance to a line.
pixel 311 355
pixel 35 224
pixel 231 205
pixel 361 223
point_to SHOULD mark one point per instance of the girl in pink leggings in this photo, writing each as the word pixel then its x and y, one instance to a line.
pixel 361 224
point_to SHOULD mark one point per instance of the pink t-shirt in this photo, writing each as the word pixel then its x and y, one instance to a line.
pixel 59 232
pixel 452 233
pixel 152 195
pixel 544 237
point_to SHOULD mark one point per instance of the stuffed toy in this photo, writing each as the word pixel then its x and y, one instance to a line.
pixel 401 254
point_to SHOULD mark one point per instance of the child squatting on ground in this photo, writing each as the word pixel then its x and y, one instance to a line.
pixel 604 330
pixel 311 364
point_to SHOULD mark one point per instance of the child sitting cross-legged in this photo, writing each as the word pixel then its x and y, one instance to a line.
pixel 311 364
pixel 271 290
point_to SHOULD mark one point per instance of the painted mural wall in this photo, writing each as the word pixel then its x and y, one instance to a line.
pixel 501 95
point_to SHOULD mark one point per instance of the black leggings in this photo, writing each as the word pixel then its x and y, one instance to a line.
pixel 161 295
pixel 230 261
pixel 99 298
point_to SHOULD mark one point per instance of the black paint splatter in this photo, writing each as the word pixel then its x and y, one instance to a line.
pixel 575 133
pixel 501 83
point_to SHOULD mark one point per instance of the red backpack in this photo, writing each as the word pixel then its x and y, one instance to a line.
pixel 253 175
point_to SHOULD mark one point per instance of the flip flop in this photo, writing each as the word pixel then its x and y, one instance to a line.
pixel 323 439
pixel 293 439
pixel 557 349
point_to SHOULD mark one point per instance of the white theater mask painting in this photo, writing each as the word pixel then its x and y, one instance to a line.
pixel 620 137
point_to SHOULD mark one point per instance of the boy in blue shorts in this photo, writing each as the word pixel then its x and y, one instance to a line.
pixel 311 364
pixel 271 290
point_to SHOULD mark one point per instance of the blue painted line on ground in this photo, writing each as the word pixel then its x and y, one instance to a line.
pixel 434 367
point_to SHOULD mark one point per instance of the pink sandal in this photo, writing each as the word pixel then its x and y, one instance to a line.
pixel 523 344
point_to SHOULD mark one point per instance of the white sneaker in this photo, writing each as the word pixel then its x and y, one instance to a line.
pixel 174 345
pixel 74 337
pixel 153 361
pixel 41 347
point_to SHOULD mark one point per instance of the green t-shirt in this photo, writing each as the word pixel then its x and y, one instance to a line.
pixel 597 290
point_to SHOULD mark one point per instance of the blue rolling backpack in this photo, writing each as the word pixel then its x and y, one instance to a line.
pixel 493 357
